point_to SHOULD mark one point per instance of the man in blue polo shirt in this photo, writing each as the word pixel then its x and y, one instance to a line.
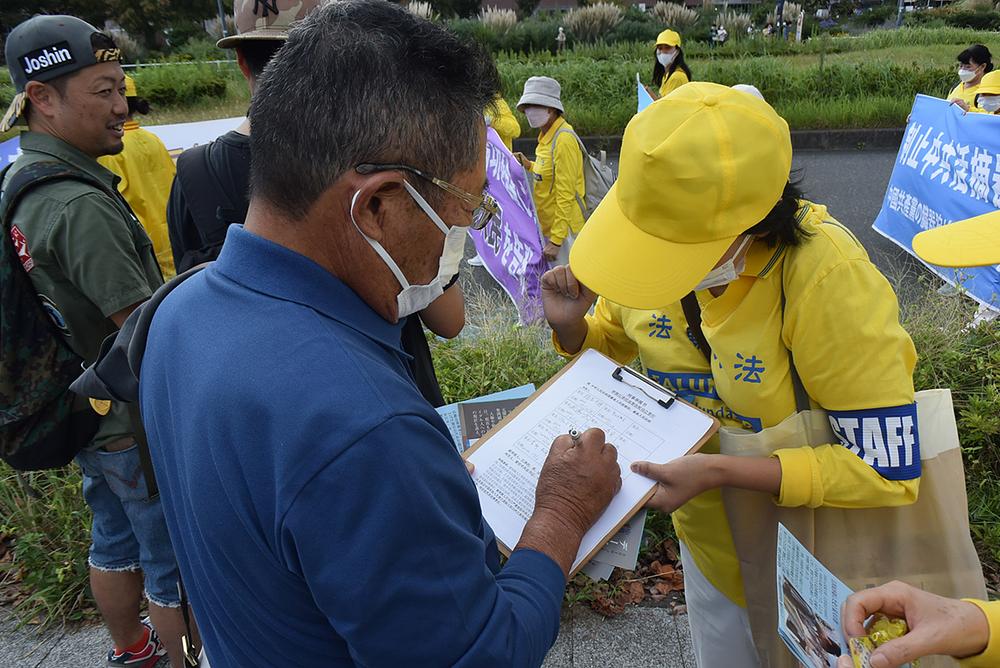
pixel 320 514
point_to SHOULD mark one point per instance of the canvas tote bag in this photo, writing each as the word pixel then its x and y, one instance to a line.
pixel 926 544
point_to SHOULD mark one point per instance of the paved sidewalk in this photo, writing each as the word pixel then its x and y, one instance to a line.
pixel 639 638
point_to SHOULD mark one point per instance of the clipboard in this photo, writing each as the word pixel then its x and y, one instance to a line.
pixel 640 386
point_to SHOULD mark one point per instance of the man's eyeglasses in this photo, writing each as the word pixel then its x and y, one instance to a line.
pixel 486 208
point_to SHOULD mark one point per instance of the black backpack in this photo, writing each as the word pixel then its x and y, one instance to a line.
pixel 42 424
pixel 212 206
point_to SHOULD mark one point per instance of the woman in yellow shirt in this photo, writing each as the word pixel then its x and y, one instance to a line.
pixel 670 72
pixel 501 118
pixel 973 63
pixel 147 172
pixel 693 216
pixel 968 629
pixel 557 168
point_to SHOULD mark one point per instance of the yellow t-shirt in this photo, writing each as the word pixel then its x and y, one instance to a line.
pixel 146 172
pixel 841 319
pixel 966 94
pixel 990 658
pixel 557 204
pixel 673 82
pixel 502 120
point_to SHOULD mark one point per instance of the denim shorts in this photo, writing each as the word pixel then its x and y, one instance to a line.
pixel 129 532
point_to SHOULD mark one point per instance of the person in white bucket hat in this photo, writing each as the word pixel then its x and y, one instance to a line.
pixel 557 169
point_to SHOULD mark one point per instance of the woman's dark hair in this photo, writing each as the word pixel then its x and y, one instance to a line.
pixel 659 71
pixel 137 105
pixel 979 54
pixel 781 225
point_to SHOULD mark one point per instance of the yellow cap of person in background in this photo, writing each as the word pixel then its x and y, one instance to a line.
pixel 668 38
pixel 968 243
pixel 694 175
pixel 130 87
pixel 990 84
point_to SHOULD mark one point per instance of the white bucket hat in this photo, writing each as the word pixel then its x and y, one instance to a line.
pixel 541 91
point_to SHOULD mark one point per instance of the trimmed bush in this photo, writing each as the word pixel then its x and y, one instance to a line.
pixel 181 84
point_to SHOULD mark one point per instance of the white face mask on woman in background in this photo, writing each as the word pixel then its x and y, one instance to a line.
pixel 729 270
pixel 966 75
pixel 537 116
pixel 415 298
pixel 990 104
pixel 666 59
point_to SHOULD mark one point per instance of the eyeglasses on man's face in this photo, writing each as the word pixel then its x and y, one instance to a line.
pixel 485 208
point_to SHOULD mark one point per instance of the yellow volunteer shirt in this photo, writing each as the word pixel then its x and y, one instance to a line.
pixel 673 82
pixel 966 94
pixel 556 202
pixel 841 319
pixel 146 172
pixel 502 120
pixel 990 658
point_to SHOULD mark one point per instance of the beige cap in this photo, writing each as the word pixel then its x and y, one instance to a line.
pixel 265 19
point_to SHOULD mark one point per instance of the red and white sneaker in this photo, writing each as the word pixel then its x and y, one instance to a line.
pixel 148 657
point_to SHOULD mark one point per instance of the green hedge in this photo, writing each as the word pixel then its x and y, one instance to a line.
pixel 600 98
pixel 178 85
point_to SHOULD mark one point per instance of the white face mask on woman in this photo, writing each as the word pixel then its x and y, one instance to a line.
pixel 537 116
pixel 415 298
pixel 989 104
pixel 729 270
pixel 966 75
pixel 666 58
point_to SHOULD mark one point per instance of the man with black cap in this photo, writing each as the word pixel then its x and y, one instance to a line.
pixel 91 264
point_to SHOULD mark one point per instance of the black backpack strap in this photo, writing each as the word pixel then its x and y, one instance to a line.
pixel 692 313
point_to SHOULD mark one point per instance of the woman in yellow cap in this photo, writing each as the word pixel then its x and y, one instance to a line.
pixel 973 63
pixel 988 94
pixel 670 72
pixel 557 168
pixel 713 271
pixel 147 172
pixel 968 629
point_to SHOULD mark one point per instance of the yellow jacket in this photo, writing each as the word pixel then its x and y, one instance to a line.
pixel 559 210
pixel 501 119
pixel 990 658
pixel 841 319
pixel 966 94
pixel 673 82
pixel 146 172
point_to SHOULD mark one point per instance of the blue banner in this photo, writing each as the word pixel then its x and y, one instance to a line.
pixel 947 169
pixel 645 99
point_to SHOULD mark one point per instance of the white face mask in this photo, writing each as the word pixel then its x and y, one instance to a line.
pixel 729 270
pixel 537 116
pixel 989 104
pixel 666 58
pixel 415 298
pixel 966 75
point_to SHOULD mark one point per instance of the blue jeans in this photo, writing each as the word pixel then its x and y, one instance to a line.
pixel 129 532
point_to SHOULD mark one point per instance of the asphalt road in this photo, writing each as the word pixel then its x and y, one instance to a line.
pixel 851 183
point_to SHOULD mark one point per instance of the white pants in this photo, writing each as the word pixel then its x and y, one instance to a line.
pixel 720 629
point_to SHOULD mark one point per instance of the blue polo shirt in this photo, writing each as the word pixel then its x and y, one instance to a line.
pixel 319 511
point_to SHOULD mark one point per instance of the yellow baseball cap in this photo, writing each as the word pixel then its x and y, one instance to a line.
pixel 130 87
pixel 968 243
pixel 668 38
pixel 696 171
pixel 990 84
